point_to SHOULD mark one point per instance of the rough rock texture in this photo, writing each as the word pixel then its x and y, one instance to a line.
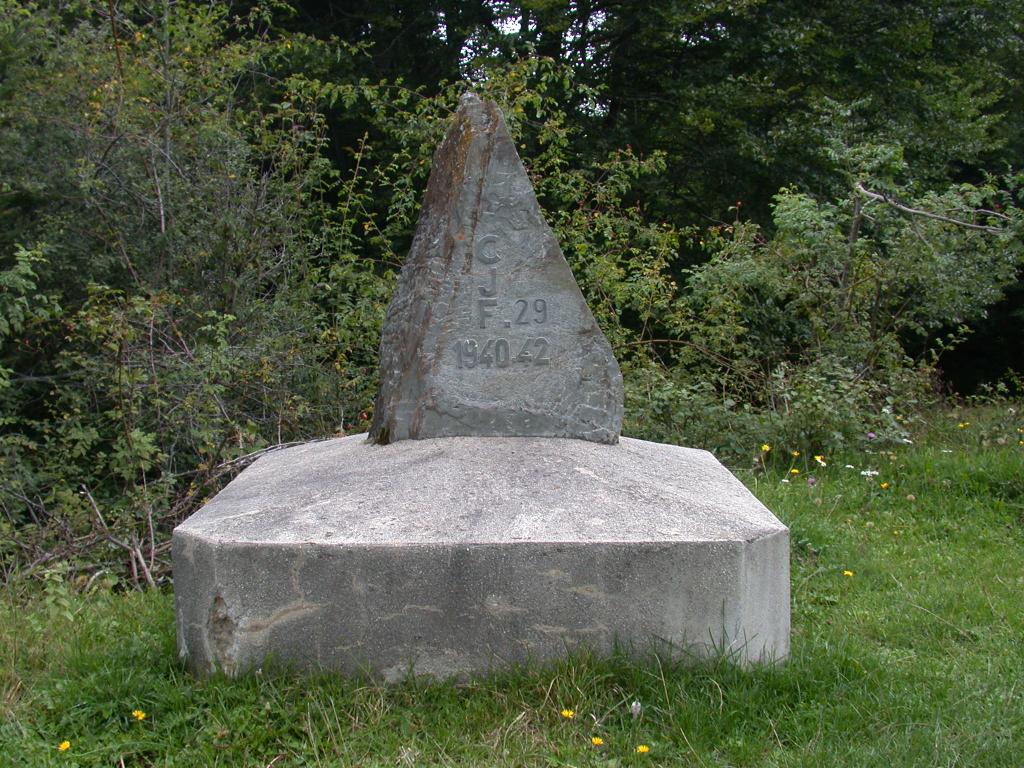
pixel 488 333
pixel 458 555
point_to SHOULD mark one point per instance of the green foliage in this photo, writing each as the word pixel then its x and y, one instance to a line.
pixel 809 329
pixel 20 306
pixel 212 305
pixel 213 201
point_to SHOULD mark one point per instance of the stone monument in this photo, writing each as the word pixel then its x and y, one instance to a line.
pixel 492 515
pixel 488 333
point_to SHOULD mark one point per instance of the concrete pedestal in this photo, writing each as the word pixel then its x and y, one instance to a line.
pixel 459 555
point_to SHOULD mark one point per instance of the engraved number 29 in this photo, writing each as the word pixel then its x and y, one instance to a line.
pixel 540 311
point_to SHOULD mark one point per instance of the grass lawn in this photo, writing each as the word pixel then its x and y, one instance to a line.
pixel 908 649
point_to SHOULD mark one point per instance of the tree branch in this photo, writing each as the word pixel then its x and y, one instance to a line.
pixel 881 197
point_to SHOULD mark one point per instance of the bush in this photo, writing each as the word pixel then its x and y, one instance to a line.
pixel 214 212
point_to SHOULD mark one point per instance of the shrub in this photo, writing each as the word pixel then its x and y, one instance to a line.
pixel 214 212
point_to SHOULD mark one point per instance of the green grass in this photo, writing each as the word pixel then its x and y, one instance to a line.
pixel 916 659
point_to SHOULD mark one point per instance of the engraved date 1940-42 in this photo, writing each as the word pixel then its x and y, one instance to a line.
pixel 500 352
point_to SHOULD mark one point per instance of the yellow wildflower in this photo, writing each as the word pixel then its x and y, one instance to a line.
pixel 597 741
pixel 765 447
pixel 964 424
pixel 884 486
pixel 64 746
pixel 568 714
pixel 138 714
pixel 847 573
pixel 794 454
pixel 794 471
pixel 820 460
pixel 643 749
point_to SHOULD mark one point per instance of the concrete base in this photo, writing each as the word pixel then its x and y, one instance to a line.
pixel 463 554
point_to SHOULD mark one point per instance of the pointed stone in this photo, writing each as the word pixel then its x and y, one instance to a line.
pixel 487 333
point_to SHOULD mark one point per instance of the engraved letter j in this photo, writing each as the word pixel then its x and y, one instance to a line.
pixel 493 290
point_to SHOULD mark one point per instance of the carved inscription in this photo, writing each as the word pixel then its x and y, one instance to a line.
pixel 524 312
pixel 488 333
pixel 522 318
pixel 499 352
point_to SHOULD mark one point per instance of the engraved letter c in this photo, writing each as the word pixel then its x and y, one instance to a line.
pixel 486 249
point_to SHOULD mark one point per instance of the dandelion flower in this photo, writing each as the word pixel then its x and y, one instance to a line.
pixel 794 471
pixel 64 746
pixel 765 447
pixel 884 486
pixel 138 714
pixel 597 741
pixel 963 425
pixel 568 714
pixel 848 573
pixel 820 460
pixel 643 749
pixel 794 454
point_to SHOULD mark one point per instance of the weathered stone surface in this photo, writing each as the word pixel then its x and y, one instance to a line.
pixel 488 333
pixel 459 555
